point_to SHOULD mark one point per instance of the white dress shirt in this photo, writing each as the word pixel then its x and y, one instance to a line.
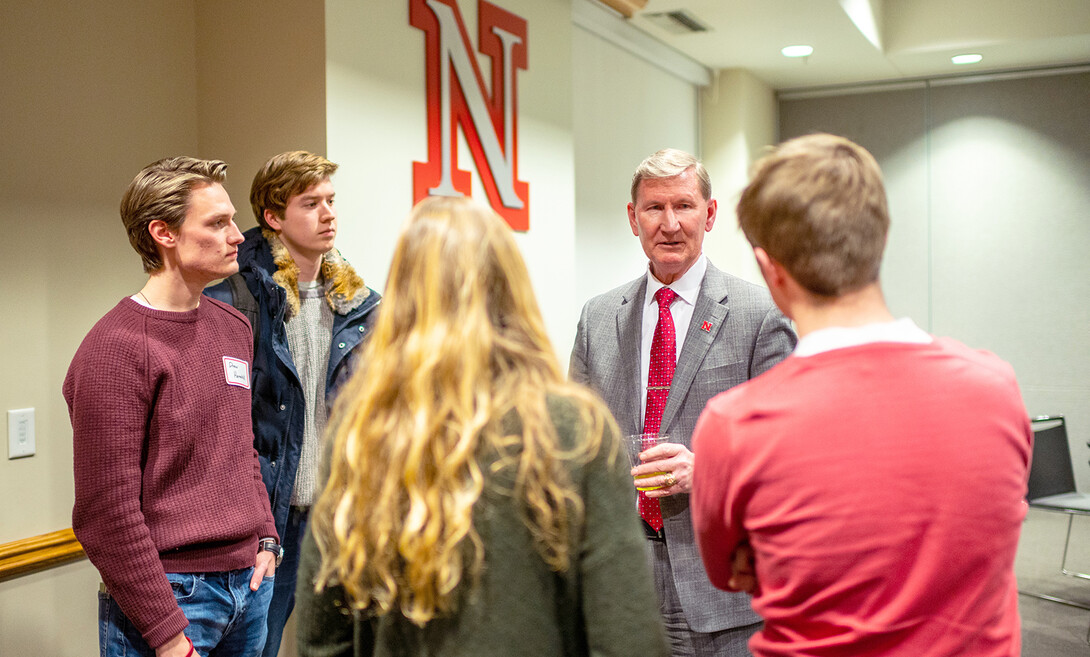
pixel 688 289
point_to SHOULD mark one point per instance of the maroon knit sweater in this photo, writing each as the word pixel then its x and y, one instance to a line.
pixel 167 479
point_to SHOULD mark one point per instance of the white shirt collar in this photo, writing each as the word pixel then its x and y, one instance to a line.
pixel 687 287
pixel 903 330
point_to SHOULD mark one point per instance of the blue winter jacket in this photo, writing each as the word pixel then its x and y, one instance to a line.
pixel 278 405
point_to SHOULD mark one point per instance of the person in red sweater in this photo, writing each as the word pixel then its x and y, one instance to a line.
pixel 867 491
pixel 169 502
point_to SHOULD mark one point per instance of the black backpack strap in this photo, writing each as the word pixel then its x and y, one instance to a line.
pixel 245 303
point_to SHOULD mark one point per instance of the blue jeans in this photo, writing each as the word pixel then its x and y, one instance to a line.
pixel 226 618
pixel 283 597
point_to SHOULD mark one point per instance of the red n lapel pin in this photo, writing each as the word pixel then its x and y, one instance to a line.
pixel 706 327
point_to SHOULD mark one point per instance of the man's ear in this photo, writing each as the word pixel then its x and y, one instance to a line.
pixel 709 221
pixel 272 220
pixel 162 234
pixel 632 220
pixel 774 273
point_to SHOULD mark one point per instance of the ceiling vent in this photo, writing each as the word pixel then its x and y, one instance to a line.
pixel 681 21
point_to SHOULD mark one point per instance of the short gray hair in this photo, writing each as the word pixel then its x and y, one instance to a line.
pixel 670 162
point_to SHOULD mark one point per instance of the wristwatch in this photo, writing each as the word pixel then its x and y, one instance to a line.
pixel 269 545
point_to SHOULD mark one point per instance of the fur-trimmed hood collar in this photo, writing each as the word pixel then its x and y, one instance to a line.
pixel 344 288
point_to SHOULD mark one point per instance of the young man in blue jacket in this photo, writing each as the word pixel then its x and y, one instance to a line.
pixel 310 311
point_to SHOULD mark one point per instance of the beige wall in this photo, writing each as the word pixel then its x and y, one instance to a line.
pixel 81 115
pixel 87 100
pixel 261 84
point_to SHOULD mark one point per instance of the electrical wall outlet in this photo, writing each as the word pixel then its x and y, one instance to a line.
pixel 20 433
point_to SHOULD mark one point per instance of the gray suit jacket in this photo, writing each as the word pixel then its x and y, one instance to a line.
pixel 748 335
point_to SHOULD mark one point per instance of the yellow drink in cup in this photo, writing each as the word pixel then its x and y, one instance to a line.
pixel 647 488
pixel 641 442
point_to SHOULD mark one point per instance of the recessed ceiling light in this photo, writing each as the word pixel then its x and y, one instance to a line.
pixel 797 51
pixel 966 59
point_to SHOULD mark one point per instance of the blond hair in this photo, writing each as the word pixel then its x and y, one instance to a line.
pixel 817 205
pixel 161 192
pixel 458 354
pixel 284 176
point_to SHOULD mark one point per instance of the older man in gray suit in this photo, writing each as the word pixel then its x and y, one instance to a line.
pixel 657 349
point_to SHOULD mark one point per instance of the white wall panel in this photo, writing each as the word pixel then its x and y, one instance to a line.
pixel 377 127
pixel 625 109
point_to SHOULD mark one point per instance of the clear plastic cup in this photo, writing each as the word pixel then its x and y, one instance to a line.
pixel 640 442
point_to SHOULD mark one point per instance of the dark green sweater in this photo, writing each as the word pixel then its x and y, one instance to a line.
pixel 604 604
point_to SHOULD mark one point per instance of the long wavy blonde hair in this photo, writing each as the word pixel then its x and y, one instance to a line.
pixel 459 344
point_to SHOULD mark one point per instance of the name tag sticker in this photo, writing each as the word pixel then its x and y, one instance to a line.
pixel 237 372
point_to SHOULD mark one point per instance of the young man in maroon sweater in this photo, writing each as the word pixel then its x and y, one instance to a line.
pixel 170 506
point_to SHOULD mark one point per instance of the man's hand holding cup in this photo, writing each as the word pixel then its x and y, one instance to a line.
pixel 659 468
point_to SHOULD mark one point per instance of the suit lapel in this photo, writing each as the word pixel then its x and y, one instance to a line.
pixel 629 330
pixel 711 308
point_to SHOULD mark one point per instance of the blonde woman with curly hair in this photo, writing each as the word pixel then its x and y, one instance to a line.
pixel 477 503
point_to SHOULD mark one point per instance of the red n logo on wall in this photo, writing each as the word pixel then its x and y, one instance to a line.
pixel 456 97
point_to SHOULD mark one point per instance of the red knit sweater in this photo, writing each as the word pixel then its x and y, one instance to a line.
pixel 166 477
pixel 881 487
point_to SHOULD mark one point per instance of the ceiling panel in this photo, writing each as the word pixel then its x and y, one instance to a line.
pixel 918 37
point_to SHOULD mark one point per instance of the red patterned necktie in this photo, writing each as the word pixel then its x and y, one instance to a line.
pixel 659 375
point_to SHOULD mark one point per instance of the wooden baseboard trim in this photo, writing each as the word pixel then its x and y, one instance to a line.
pixel 37 553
